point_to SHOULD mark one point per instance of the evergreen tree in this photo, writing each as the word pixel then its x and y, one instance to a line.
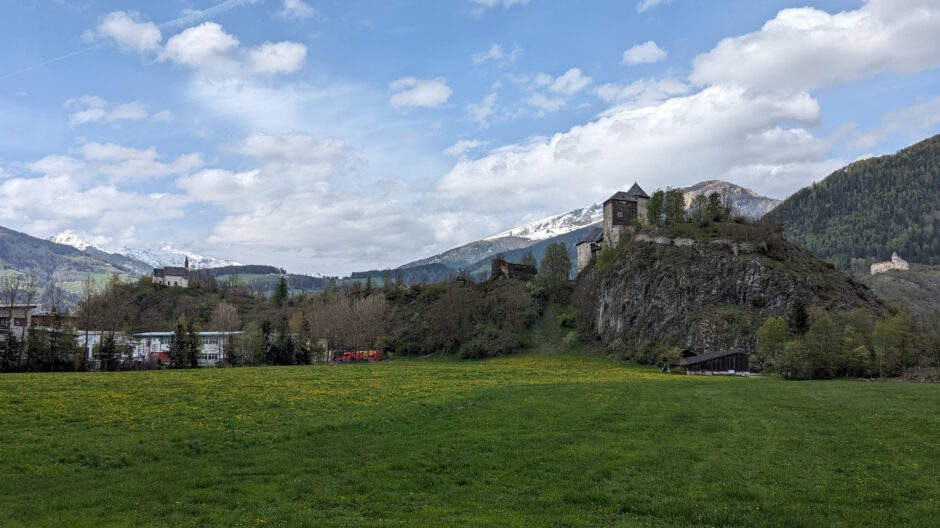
pixel 193 345
pixel 797 318
pixel 715 210
pixel 279 297
pixel 178 347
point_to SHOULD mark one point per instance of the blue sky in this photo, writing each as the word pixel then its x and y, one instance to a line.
pixel 333 136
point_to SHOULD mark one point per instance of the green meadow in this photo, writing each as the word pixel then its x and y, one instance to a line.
pixel 519 441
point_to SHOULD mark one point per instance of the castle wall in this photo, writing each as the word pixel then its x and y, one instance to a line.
pixel 584 255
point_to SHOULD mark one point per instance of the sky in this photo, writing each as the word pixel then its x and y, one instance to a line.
pixel 331 136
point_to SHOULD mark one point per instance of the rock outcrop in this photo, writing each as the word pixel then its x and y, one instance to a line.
pixel 707 294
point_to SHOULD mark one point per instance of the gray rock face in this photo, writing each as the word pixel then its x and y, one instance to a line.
pixel 743 201
pixel 709 296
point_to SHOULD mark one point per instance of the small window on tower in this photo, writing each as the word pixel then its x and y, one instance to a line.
pixel 619 214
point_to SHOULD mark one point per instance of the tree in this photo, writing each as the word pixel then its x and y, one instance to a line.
pixel 698 209
pixel 226 320
pixel 822 345
pixel 655 208
pixel 797 318
pixel 715 210
pixel 529 259
pixel 279 297
pixel 193 345
pixel 556 269
pixel 10 287
pixel 895 344
pixel 674 206
pixel 772 336
pixel 178 346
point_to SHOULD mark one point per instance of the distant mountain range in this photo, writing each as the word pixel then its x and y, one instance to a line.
pixel 159 257
pixel 538 235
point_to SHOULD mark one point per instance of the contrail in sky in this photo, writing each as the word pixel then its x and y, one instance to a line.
pixel 188 18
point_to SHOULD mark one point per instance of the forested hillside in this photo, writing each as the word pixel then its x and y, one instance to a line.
pixel 871 208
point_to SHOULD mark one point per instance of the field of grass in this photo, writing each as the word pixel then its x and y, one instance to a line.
pixel 520 441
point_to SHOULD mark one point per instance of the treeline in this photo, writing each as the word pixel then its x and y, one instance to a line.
pixel 465 316
pixel 871 208
pixel 810 343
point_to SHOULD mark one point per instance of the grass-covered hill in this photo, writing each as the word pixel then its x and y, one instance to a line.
pixel 708 288
pixel 871 208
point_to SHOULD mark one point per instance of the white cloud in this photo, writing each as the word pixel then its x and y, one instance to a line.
pixel 128 32
pixel 211 50
pixel 460 148
pixel 276 57
pixel 115 162
pixel 570 82
pixel 504 3
pixel 545 103
pixel 93 109
pixel 296 10
pixel 497 54
pixel 806 48
pixel 481 112
pixel 206 46
pixel 164 116
pixel 645 5
pixel 645 53
pixel 642 92
pixel 427 93
pixel 295 147
pixel 586 162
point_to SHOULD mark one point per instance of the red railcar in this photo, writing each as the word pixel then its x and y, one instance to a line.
pixel 359 356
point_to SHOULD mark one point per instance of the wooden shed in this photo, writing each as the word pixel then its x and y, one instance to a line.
pixel 719 362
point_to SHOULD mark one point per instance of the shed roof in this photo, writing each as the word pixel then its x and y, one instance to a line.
pixel 708 356
pixel 594 235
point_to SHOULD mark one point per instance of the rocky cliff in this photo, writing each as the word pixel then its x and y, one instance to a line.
pixel 707 294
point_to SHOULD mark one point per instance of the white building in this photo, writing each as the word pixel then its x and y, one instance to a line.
pixel 172 276
pixel 155 347
pixel 896 263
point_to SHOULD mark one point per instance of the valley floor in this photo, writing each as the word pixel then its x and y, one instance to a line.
pixel 521 441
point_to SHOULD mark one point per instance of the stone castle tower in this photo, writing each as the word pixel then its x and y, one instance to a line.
pixel 620 211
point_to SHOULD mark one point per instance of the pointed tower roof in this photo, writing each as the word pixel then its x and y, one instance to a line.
pixel 186 262
pixel 630 195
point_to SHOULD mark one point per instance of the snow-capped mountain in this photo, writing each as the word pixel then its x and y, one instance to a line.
pixel 167 255
pixel 71 238
pixel 556 225
pixel 742 201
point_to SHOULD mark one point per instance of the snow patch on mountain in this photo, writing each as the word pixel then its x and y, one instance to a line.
pixel 71 238
pixel 556 225
pixel 167 255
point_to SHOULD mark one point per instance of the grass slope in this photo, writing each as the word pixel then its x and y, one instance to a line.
pixel 519 441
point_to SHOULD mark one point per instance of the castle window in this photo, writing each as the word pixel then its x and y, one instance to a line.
pixel 619 214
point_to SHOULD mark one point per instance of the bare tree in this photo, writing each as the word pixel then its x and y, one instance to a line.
pixel 86 312
pixel 226 320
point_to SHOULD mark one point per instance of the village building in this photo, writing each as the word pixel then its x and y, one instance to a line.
pixel 622 211
pixel 172 275
pixel 154 347
pixel 710 363
pixel 17 318
pixel 896 263
pixel 501 268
